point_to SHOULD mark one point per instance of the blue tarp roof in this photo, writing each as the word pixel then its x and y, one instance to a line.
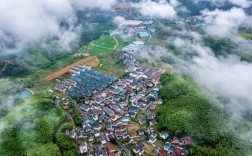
pixel 144 34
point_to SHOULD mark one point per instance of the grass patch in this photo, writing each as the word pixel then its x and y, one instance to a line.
pixel 159 143
pixel 105 44
pixel 148 148
pixel 246 35
pixel 106 48
pixel 105 41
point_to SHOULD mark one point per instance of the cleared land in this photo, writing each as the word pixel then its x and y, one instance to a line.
pixel 132 129
pixel 92 61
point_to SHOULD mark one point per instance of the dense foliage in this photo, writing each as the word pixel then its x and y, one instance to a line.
pixel 29 128
pixel 64 141
pixel 189 111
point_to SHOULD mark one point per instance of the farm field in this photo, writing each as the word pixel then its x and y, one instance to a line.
pixel 92 61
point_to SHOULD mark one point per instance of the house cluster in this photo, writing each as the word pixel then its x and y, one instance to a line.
pixel 128 13
pixel 109 104
pixel 137 51
pixel 134 28
pixel 173 146
pixel 99 150
pixel 106 114
pixel 177 147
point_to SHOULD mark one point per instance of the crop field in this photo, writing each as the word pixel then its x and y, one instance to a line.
pixel 92 61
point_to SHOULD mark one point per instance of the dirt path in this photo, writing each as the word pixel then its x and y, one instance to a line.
pixel 92 61
pixel 117 43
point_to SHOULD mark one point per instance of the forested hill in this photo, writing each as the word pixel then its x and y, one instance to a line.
pixel 188 112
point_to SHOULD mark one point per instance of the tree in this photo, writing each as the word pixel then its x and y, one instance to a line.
pixel 179 133
pixel 11 144
pixel 64 141
pixel 44 132
pixel 77 120
pixel 49 149
pixel 113 141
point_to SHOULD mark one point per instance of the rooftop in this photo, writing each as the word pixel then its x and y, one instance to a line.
pixel 143 34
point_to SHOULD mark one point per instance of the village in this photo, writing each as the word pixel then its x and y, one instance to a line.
pixel 118 115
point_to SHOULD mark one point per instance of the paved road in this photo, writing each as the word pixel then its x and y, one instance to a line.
pixel 127 151
pixel 124 148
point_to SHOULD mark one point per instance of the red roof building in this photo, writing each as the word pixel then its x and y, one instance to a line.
pixel 156 76
pixel 178 151
pixel 175 140
pixel 188 140
pixel 162 152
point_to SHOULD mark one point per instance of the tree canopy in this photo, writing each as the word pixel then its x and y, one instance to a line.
pixel 188 111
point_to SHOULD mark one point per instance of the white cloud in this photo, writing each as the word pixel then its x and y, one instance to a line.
pixel 174 3
pixel 159 9
pixel 119 20
pixel 240 3
pixel 225 23
pixel 32 20
pixel 102 4
pixel 226 77
pixel 26 21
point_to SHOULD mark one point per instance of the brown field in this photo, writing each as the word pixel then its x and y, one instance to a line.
pixel 132 129
pixel 92 61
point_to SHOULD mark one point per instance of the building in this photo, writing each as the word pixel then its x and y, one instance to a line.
pixel 164 135
pixel 98 151
pixel 103 139
pixel 110 147
pixel 90 137
pixel 143 34
pixel 175 140
pixel 184 152
pixel 109 112
pixel 140 132
pixel 162 152
pixel 138 148
pixel 83 147
pixel 167 146
pixel 188 140
pixel 129 139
